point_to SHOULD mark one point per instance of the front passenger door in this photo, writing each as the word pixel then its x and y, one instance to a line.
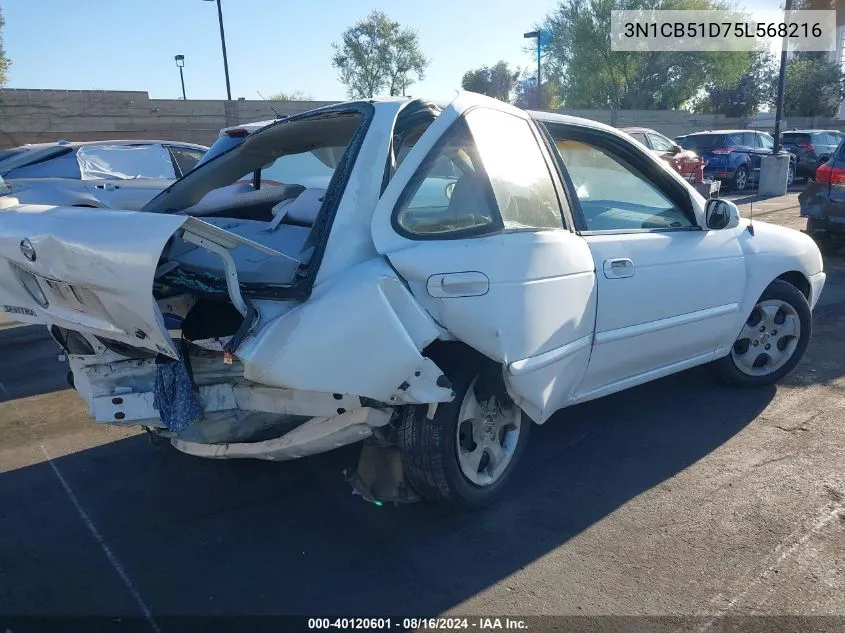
pixel 668 290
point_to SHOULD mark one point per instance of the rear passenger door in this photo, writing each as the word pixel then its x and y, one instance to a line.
pixel 490 255
pixel 758 150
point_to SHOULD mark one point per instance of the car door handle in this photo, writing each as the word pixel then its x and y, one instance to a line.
pixel 469 284
pixel 107 187
pixel 618 268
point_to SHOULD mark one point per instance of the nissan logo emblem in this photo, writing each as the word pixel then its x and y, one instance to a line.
pixel 28 250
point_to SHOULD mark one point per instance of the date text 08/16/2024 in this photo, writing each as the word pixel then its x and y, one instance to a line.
pixel 413 624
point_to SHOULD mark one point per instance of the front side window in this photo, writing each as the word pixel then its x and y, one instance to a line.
pixel 615 195
pixel 766 141
pixel 489 174
pixel 661 143
pixel 747 139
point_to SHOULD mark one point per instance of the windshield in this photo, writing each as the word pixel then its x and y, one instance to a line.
pixel 222 144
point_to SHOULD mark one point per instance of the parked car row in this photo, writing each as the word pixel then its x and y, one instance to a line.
pixel 392 271
pixel 109 174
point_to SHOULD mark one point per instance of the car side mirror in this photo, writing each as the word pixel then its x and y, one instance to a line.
pixel 677 149
pixel 721 214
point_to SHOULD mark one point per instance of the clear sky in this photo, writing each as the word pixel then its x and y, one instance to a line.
pixel 273 45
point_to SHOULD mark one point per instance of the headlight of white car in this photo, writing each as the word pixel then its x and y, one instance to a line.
pixel 30 282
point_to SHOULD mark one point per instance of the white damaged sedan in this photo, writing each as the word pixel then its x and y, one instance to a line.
pixel 433 280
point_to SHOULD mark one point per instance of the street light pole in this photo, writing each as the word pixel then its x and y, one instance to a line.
pixel 539 78
pixel 180 62
pixel 223 43
pixel 781 85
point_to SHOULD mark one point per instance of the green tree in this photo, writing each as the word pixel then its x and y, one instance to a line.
pixel 5 62
pixel 815 86
pixel 525 92
pixel 377 54
pixel 743 97
pixel 579 57
pixel 497 81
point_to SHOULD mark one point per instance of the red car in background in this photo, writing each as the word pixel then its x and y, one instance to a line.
pixel 686 162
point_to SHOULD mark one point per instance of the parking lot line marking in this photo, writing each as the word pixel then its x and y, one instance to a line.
pixel 106 549
pixel 829 512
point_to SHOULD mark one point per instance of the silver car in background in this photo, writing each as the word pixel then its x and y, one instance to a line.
pixel 110 174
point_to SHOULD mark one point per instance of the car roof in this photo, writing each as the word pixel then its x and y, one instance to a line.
pixel 810 131
pixel 643 130
pixel 554 117
pixel 78 144
pixel 726 132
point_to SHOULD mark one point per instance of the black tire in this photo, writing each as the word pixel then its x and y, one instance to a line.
pixel 790 172
pixel 740 184
pixel 429 448
pixel 727 369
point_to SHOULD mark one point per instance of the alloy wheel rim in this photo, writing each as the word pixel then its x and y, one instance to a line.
pixel 768 339
pixel 487 434
pixel 741 180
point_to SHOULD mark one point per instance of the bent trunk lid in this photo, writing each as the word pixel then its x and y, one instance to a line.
pixel 93 270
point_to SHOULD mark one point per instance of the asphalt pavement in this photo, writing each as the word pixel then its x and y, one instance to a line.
pixel 678 497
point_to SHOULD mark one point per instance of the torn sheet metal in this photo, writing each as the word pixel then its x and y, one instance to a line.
pixel 360 334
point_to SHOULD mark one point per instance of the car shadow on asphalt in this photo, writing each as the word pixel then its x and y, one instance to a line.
pixel 245 537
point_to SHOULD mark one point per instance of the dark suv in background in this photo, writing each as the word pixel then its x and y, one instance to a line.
pixel 812 148
pixel 733 156
pixel 823 203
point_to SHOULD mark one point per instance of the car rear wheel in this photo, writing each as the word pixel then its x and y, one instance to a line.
pixel 790 175
pixel 740 181
pixel 772 340
pixel 466 453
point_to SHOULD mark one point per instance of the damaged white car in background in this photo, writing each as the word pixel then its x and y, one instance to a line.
pixel 431 280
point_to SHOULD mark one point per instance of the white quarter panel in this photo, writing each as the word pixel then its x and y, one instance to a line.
pixel 680 302
pixel 358 334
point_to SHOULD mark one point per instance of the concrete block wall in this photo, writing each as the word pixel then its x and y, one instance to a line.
pixel 34 116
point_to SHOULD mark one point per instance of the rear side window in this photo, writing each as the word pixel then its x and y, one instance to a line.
pixel 703 142
pixel 62 164
pixel 796 139
pixel 747 139
pixel 661 143
pixel 830 138
pixel 489 174
pixel 640 137
pixel 186 158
